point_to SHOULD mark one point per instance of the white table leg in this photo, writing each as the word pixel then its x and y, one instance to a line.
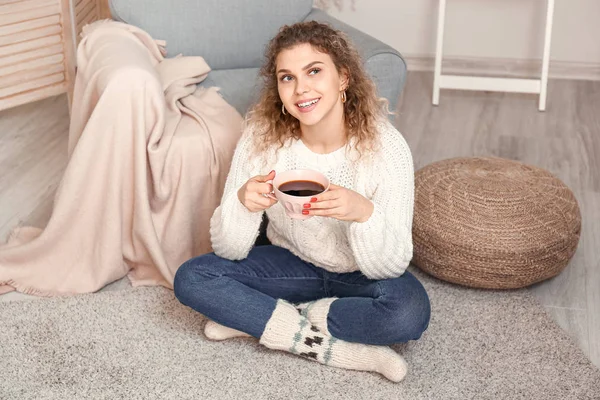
pixel 546 55
pixel 438 52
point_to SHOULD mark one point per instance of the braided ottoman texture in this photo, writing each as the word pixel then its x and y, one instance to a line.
pixel 492 223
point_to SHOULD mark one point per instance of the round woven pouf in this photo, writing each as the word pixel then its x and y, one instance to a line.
pixel 492 223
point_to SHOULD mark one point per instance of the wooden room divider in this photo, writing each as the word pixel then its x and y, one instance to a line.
pixel 38 41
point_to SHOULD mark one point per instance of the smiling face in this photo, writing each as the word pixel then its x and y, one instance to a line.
pixel 309 85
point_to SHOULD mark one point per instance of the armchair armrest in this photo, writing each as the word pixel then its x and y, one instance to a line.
pixel 384 64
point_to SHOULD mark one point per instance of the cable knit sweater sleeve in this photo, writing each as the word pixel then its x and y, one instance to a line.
pixel 233 228
pixel 382 245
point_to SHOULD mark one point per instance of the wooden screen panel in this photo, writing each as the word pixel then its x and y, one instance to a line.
pixel 38 40
pixel 32 51
pixel 88 11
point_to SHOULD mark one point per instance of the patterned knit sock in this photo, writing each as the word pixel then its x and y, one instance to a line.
pixel 215 331
pixel 317 311
pixel 290 331
pixel 318 317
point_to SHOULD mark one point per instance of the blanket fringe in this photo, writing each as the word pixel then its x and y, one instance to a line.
pixel 35 292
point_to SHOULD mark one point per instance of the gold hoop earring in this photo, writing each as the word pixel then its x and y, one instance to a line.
pixel 283 110
pixel 344 96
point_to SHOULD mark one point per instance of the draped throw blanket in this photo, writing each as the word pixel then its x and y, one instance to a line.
pixel 149 152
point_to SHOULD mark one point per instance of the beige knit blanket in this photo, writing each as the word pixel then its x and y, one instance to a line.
pixel 148 157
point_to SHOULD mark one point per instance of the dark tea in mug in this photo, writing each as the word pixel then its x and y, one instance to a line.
pixel 301 188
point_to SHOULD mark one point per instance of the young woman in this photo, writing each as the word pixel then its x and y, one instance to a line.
pixel 333 287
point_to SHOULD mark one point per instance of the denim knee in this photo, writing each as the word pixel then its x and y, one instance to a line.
pixel 189 276
pixel 409 315
pixel 182 281
pixel 419 320
pixel 414 318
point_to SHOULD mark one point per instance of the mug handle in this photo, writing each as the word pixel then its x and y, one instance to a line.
pixel 270 194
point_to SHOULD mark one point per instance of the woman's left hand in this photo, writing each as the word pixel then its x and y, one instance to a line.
pixel 340 203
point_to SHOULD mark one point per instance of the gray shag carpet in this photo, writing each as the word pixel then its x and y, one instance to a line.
pixel 143 344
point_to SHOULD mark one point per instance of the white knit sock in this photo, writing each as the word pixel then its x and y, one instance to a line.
pixel 215 331
pixel 289 330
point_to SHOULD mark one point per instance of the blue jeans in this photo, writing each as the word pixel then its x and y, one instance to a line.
pixel 243 294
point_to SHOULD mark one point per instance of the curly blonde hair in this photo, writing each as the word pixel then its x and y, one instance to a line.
pixel 362 108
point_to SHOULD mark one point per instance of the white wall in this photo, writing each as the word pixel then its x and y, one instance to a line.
pixel 481 28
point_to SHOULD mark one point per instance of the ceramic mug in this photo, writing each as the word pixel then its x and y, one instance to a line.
pixel 294 188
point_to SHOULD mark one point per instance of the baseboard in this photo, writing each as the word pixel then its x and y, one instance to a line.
pixel 504 67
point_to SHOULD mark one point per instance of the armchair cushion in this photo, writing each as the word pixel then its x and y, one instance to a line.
pixel 226 33
pixel 239 87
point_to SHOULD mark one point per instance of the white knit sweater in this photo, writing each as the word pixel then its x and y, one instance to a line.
pixel 380 248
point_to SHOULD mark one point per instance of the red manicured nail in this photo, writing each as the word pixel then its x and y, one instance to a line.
pixel 305 212
pixel 306 205
pixel 314 199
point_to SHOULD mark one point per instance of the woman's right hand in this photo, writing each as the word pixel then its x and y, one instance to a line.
pixel 252 194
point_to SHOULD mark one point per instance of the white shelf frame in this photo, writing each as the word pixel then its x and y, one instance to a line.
pixel 516 85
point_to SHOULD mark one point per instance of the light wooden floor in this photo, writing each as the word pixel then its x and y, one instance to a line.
pixel 564 140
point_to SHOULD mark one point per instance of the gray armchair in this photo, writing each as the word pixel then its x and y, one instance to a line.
pixel 231 36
